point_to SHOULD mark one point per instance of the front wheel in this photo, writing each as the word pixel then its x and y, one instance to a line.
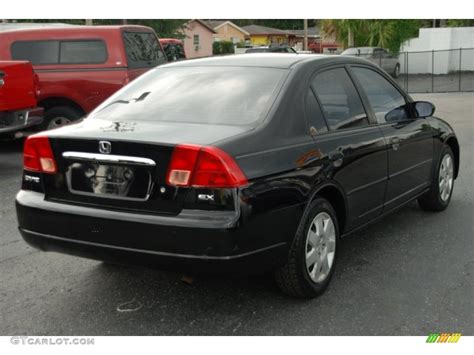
pixel 312 256
pixel 439 196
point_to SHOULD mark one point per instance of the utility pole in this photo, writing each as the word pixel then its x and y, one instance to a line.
pixel 305 43
pixel 89 23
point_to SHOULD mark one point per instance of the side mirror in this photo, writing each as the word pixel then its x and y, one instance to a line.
pixel 424 109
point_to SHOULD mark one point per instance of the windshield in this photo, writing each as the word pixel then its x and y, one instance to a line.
pixel 205 95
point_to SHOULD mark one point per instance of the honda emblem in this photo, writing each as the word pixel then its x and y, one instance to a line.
pixel 105 147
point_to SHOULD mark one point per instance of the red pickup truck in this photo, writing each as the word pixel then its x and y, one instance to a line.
pixel 18 95
pixel 80 66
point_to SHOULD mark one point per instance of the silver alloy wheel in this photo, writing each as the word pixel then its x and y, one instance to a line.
pixel 320 247
pixel 397 71
pixel 58 122
pixel 446 177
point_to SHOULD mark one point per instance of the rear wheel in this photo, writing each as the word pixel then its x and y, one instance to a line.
pixel 396 71
pixel 59 116
pixel 311 259
pixel 439 196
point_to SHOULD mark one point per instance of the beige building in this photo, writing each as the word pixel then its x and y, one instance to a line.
pixel 227 31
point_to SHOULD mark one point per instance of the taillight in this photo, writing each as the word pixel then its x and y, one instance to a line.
pixel 36 86
pixel 193 165
pixel 38 155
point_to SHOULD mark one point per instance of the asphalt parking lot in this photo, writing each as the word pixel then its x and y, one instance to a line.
pixel 409 274
pixel 426 83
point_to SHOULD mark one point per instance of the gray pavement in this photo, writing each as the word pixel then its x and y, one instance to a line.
pixel 426 83
pixel 408 274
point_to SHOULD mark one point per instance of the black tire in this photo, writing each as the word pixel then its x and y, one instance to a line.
pixel 54 113
pixel 293 278
pixel 396 71
pixel 431 200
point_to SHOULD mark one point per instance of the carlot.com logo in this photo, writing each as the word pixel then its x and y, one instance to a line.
pixel 443 337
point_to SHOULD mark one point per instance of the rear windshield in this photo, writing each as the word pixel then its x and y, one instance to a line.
pixel 204 95
pixel 174 51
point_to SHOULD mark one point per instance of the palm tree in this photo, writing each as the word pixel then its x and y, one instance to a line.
pixel 347 32
pixel 381 32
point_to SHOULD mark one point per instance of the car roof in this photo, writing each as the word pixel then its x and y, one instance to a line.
pixel 363 48
pixel 74 29
pixel 268 60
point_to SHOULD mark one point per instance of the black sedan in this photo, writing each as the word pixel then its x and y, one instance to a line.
pixel 237 164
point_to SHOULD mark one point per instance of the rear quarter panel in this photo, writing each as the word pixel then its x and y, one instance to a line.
pixel 86 87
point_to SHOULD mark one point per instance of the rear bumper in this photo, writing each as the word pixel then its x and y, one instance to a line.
pixel 14 121
pixel 218 242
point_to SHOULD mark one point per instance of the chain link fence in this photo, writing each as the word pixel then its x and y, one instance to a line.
pixel 436 71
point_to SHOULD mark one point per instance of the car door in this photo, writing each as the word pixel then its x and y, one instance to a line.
pixel 353 144
pixel 409 139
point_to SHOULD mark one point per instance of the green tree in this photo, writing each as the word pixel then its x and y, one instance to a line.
pixel 460 23
pixel 403 30
pixel 222 47
pixel 381 33
pixel 340 29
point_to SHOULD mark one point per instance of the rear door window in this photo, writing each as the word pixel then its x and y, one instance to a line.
pixel 340 102
pixel 143 50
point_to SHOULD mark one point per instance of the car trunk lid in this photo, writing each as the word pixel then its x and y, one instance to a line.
pixel 123 165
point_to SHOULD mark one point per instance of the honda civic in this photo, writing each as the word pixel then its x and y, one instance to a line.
pixel 237 164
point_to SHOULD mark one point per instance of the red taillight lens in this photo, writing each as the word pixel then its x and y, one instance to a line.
pixel 36 86
pixel 182 165
pixel 197 166
pixel 38 155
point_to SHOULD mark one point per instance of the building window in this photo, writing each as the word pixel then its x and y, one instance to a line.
pixel 196 40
